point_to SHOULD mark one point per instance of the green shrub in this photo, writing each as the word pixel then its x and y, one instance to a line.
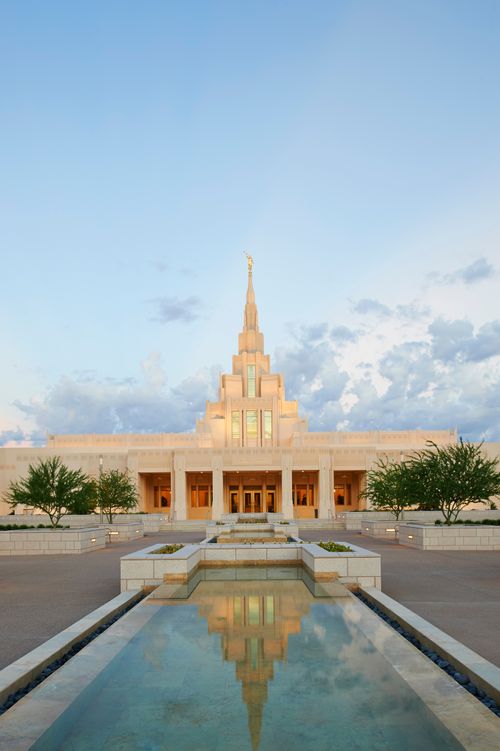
pixel 167 550
pixel 14 527
pixel 334 547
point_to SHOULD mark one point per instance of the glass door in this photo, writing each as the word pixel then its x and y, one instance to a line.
pixel 253 501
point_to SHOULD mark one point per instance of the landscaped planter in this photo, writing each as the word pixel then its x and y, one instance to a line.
pixel 147 568
pixel 52 542
pixel 454 537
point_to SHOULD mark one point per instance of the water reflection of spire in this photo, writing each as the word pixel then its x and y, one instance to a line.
pixel 254 624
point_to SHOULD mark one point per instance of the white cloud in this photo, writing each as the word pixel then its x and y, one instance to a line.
pixel 76 405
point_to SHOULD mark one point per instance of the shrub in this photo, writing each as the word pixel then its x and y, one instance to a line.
pixel 334 547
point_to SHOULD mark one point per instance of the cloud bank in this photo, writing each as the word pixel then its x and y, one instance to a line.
pixel 392 368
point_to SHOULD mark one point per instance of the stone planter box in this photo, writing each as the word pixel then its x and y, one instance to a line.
pixel 353 520
pixel 145 569
pixel 455 537
pixel 150 522
pixel 359 567
pixel 52 542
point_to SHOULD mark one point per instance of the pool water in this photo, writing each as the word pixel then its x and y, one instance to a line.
pixel 248 665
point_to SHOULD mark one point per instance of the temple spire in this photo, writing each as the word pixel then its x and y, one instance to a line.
pixel 250 339
pixel 251 319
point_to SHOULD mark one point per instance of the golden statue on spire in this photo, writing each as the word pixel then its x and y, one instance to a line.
pixel 249 261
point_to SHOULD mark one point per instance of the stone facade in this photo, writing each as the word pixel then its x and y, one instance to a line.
pixel 252 452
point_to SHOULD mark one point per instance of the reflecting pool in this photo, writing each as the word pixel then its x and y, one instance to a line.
pixel 248 665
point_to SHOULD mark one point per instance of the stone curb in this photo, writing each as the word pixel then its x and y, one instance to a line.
pixel 480 671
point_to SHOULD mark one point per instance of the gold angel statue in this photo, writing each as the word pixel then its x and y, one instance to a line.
pixel 249 261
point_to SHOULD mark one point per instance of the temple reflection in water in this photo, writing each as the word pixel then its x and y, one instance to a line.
pixel 254 623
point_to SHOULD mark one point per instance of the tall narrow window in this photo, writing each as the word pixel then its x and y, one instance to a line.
pixel 251 423
pixel 268 424
pixel 251 380
pixel 235 424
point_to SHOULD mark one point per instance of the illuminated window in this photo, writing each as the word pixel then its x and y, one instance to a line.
pixel 303 495
pixel 162 496
pixel 201 496
pixel 235 424
pixel 251 423
pixel 251 380
pixel 343 495
pixel 268 424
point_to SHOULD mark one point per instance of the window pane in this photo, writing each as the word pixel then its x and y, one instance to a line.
pixel 235 424
pixel 251 423
pixel 268 424
pixel 251 380
pixel 203 495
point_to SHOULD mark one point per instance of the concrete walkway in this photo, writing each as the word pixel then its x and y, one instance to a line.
pixel 458 592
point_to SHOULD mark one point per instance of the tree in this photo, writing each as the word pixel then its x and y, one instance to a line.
pixel 115 492
pixel 389 486
pixel 453 476
pixel 54 489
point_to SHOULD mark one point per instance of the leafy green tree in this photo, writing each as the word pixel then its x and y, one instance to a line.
pixel 54 489
pixel 115 492
pixel 389 486
pixel 451 477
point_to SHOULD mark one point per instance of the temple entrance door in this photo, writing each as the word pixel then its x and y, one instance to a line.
pixel 270 501
pixel 253 501
pixel 234 498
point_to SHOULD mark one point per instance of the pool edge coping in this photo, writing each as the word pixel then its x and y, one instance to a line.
pixel 482 672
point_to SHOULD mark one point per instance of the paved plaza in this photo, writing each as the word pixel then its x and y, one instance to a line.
pixel 457 591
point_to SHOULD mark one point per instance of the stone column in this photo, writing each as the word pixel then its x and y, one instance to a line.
pixel 325 489
pixel 179 504
pixel 217 487
pixel 332 488
pixel 286 485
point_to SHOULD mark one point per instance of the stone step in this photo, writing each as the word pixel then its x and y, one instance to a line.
pixel 185 526
pixel 195 525
pixel 319 524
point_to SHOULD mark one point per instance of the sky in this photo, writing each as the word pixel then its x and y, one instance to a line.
pixel 353 148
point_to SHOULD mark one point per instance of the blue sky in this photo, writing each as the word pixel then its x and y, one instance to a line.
pixel 352 147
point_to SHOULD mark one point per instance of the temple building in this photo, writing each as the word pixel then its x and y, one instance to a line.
pixel 251 452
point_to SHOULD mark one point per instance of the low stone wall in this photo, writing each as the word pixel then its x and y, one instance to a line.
pixel 151 522
pixel 387 529
pixel 454 537
pixel 52 542
pixel 122 531
pixel 353 521
pixel 145 569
